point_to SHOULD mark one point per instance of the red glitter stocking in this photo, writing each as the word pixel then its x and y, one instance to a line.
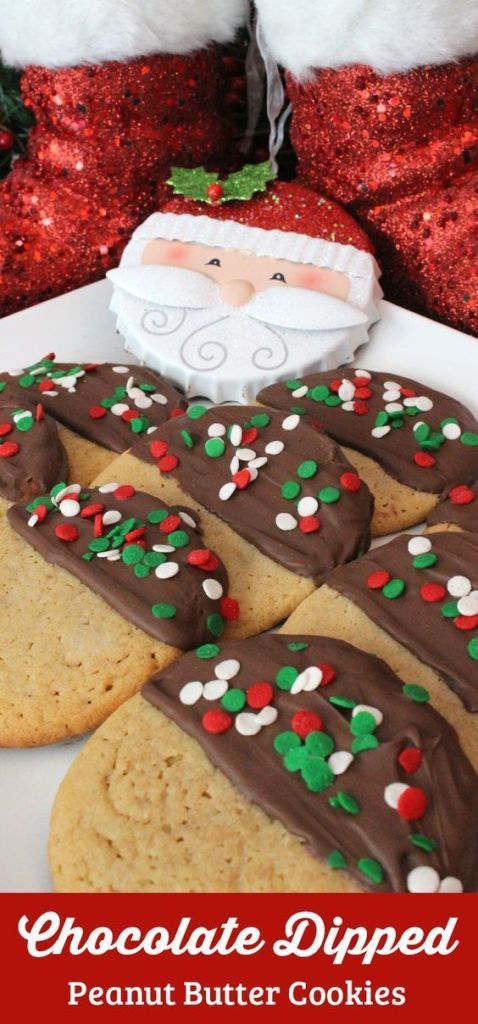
pixel 105 136
pixel 401 151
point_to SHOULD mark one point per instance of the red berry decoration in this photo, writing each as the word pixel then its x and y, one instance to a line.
pixel 215 192
pixel 432 592
pixel 216 721
pixel 461 495
pixel 410 759
pixel 304 722
pixel 229 608
pixel 259 695
pixel 7 140
pixel 412 804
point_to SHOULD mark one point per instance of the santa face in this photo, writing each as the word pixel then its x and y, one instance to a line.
pixel 222 322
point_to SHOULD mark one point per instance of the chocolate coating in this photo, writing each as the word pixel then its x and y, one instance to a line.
pixel 117 582
pixel 39 458
pixel 416 623
pixel 464 515
pixel 377 831
pixel 94 384
pixel 344 524
pixel 394 452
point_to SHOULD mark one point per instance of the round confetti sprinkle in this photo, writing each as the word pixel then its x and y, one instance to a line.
pixel 168 523
pixel 291 422
pixel 419 545
pixel 328 673
pixel 307 680
pixel 284 521
pixel 416 693
pixel 285 741
pixel 199 556
pixel 347 802
pixel 305 722
pixel 362 722
pixel 66 532
pixel 274 448
pixel 378 579
pixel 8 448
pixel 5 428
pixel 215 624
pixel 380 432
pixel 317 775
pixel 423 879
pixel 206 651
pixel 468 605
pixel 158 449
pixel 227 669
pixel 162 610
pixel 473 648
pixel 395 588
pixel 307 469
pixel 99 544
pixel 167 463
pixel 124 492
pixel 365 742
pixel 309 524
pixel 368 709
pixel 371 869
pixel 412 803
pixel 469 439
pixel 423 842
pixel 393 792
pixel 216 721
pixel 234 700
pixel 178 538
pixel 196 411
pixel 459 586
pixel 166 570
pixel 214 447
pixel 307 506
pixel 260 419
pixel 97 412
pixel 290 490
pixel 336 859
pixel 212 589
pixel 227 490
pixel 450 885
pixel 340 761
pixel 461 495
pixel 350 481
pixel 424 459
pixel 425 561
pixel 259 695
pixel 410 759
pixel 451 431
pixel 286 676
pixel 131 554
pixel 230 609
pixel 432 592
pixel 190 693
pixel 215 689
pixel 247 724
pixel 329 495
pixel 69 507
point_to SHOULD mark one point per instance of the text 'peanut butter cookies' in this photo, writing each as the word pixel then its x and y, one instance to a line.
pixel 283 504
pixel 32 457
pixel 406 440
pixel 117 584
pixel 458 510
pixel 280 763
pixel 102 407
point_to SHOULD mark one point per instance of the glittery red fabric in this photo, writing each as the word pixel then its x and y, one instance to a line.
pixel 105 137
pixel 284 206
pixel 402 152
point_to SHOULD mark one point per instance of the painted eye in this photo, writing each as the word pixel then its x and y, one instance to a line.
pixel 213 263
pixel 278 277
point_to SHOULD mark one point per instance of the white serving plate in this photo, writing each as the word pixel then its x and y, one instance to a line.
pixel 79 327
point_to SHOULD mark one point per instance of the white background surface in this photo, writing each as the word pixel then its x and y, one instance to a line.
pixel 79 327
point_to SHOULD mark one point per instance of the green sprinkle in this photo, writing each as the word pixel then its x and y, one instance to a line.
pixel 298 410
pixel 214 447
pixel 342 702
pixel 286 676
pixel 307 469
pixel 290 490
pixel 421 431
pixel 346 802
pixel 132 554
pixel 449 419
pixel 120 393
pixel 139 424
pixel 99 544
pixel 186 436
pixel 433 442
pixel 163 610
pixel 25 422
pixel 88 555
pixel 196 411
pixel 397 421
pixel 381 419
pixel 157 515
pixel 154 558
pixel 297 646
pixel 27 380
pixel 362 723
pixel 285 741
pixel 317 775
pixel 320 393
pixel 3 385
pixel 425 561
pixel 469 438
pixel 234 700
pixel 329 495
pixel 141 571
pixel 261 419
pixel 371 869
pixel 416 693
pixel 320 744
pixel 215 624
pixel 411 410
pixel 107 403
pixel 57 488
pixel 206 651
pixel 295 758
pixel 333 400
pixel 365 742
pixel 178 538
pixel 473 648
pixel 148 388
pixel 423 842
pixel 450 610
pixel 292 385
pixel 393 589
pixel 336 859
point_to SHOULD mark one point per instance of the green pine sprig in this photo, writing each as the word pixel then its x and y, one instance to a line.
pixel 14 116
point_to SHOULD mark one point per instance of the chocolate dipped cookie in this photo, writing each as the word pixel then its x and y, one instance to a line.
pixel 283 504
pixel 32 457
pixel 100 407
pixel 458 510
pixel 108 585
pixel 407 441
pixel 283 763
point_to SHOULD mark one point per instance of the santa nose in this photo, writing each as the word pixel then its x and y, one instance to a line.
pixel 237 293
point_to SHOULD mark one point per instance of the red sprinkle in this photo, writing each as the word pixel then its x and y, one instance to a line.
pixel 432 592
pixel 216 721
pixel 124 492
pixel 40 413
pixel 249 435
pixel 378 579
pixel 66 531
pixel 424 459
pixel 309 524
pixel 328 673
pixel 169 524
pixel 412 804
pixel 8 448
pixel 91 510
pixel 360 408
pixel 335 384
pixel 134 535
pixel 130 414
pixel 41 512
pixel 168 463
pixel 135 543
pixel 198 556
pixel 176 412
pixel 48 385
pixel 259 695
pixel 304 722
pixel 461 495
pixel 407 392
pixel 242 478
pixel 96 412
pixel 360 382
pixel 211 565
pixel 350 481
pixel 5 428
pixel 410 759
pixel 158 449
pixel 229 608
pixel 98 525
pixel 466 622
pixel 363 393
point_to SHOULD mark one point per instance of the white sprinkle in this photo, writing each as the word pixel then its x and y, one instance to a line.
pixel 107 488
pixel 393 792
pixel 423 879
pixel 246 454
pixel 190 693
pixel 300 392
pixel 32 520
pixel 164 548
pixel 143 401
pixel 216 430
pixel 375 712
pixel 307 680
pixel 120 369
pixel 130 384
pixel 71 489
pixel 111 517
pixel 419 423
pixel 247 724
pixel 394 395
pixel 451 431
pixel 253 473
pixel 459 586
pixel 167 570
pixel 186 518
pixel 212 589
pixel 227 490
pixel 119 408
pixel 274 448
pixel 307 506
pixel 151 430
pixel 227 669
pixel 346 391
pixel 394 407
pixel 284 521
pixel 291 422
pixel 113 556
pixel 363 373
pixel 411 401
pixel 348 406
pixel 391 385
pixel 215 689
pixel 17 416
pixel 381 431
pixel 133 391
pixel 69 507
pixel 450 884
pixel 340 761
pixel 159 398
pixel 469 605
pixel 267 715
pixel 235 435
pixel 16 373
pixel 422 402
pixel 419 545
pixel 50 394
pixel 234 465
pixel 258 463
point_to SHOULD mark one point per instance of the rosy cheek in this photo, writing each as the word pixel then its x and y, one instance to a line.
pixel 176 253
pixel 309 278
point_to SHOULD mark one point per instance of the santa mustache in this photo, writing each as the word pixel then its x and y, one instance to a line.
pixel 280 305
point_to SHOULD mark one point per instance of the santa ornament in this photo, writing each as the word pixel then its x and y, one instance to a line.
pixel 240 282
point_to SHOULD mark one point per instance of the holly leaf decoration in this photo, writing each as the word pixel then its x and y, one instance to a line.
pixel 192 183
pixel 250 179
